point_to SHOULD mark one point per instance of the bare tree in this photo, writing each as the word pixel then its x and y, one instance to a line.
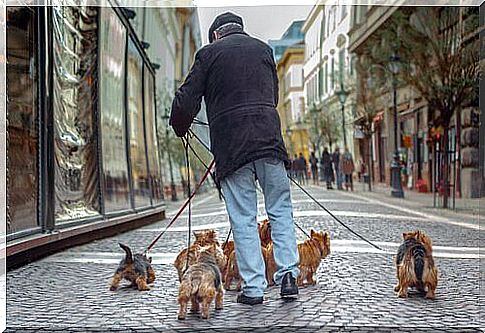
pixel 439 52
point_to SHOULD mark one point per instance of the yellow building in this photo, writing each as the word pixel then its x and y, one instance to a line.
pixel 291 106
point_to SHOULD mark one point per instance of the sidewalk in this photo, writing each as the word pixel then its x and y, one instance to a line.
pixel 423 201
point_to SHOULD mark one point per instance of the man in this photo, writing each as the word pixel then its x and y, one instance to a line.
pixel 327 168
pixel 236 75
pixel 336 166
pixel 302 170
pixel 348 169
pixel 314 167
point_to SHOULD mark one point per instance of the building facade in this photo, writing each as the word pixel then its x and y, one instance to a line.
pixel 291 104
pixel 419 150
pixel 86 88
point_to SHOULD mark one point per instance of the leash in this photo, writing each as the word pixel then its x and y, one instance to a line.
pixel 330 213
pixel 189 219
pixel 315 200
pixel 181 208
pixel 198 157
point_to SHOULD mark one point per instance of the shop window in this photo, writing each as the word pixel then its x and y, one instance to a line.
pixel 112 42
pixel 22 116
pixel 136 128
pixel 74 103
pixel 152 144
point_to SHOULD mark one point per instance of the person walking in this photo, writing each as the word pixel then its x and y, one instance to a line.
pixel 236 75
pixel 314 168
pixel 348 168
pixel 327 168
pixel 302 169
pixel 337 167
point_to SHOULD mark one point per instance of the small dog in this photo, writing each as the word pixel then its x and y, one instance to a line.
pixel 181 260
pixel 231 271
pixel 200 284
pixel 415 265
pixel 269 263
pixel 264 230
pixel 203 238
pixel 311 253
pixel 135 268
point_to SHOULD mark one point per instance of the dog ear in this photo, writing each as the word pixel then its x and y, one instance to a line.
pixel 312 233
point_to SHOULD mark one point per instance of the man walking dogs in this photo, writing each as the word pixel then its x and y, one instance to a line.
pixel 236 75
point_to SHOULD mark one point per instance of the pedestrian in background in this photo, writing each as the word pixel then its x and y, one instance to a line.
pixel 236 76
pixel 314 167
pixel 327 168
pixel 348 168
pixel 301 167
pixel 337 168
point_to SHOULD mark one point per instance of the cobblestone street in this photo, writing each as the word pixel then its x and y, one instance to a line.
pixel 354 291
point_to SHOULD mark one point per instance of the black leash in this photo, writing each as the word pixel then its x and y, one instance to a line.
pixel 220 193
pixel 330 213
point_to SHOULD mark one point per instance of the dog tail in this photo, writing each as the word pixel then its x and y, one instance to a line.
pixel 129 255
pixel 418 254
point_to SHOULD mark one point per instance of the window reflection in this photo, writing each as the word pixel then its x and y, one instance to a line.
pixel 22 116
pixel 139 170
pixel 74 101
pixel 152 144
pixel 112 109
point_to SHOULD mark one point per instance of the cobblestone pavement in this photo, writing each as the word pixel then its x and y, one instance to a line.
pixel 354 293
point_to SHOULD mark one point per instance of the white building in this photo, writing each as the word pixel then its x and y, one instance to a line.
pixel 328 66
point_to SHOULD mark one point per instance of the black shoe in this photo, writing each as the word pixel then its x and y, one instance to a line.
pixel 241 298
pixel 288 286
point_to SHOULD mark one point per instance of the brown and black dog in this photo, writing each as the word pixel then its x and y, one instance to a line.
pixel 135 268
pixel 415 265
pixel 232 271
pixel 201 283
pixel 203 239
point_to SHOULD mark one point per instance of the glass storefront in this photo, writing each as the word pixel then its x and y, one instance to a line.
pixel 112 41
pixel 152 142
pixel 105 147
pixel 138 156
pixel 22 117
pixel 74 85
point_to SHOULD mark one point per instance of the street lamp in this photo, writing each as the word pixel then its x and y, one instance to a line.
pixel 172 183
pixel 342 96
pixel 396 186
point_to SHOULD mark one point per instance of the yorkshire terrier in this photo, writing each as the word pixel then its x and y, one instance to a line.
pixel 135 268
pixel 415 265
pixel 202 239
pixel 311 253
pixel 200 284
pixel 231 270
pixel 264 230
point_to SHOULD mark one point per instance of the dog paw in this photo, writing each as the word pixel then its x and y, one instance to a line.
pixel 181 317
pixel 396 288
pixel 430 296
pixel 112 288
pixel 402 295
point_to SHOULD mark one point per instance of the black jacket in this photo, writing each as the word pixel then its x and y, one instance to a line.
pixel 237 77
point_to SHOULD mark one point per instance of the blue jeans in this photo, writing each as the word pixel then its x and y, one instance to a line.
pixel 239 191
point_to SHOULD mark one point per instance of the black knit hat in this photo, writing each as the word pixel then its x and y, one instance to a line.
pixel 222 19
